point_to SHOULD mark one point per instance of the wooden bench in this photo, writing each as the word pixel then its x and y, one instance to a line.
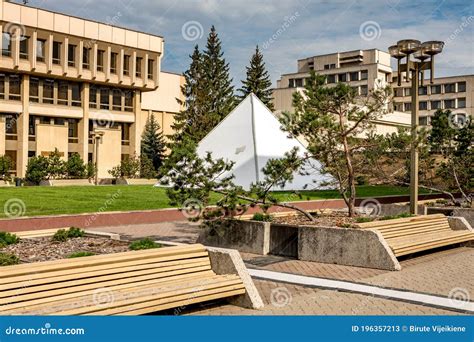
pixel 416 234
pixel 128 283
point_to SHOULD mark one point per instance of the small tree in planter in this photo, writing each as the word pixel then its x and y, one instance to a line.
pixel 128 168
pixel 152 144
pixel 6 165
pixel 337 126
pixel 75 167
pixel 37 169
pixel 56 166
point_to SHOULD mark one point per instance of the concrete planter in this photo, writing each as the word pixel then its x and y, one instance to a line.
pixel 135 181
pixel 467 213
pixel 344 246
pixel 66 182
pixel 4 184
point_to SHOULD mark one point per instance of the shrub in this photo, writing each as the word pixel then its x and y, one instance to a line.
pixel 146 243
pixel 361 180
pixel 8 239
pixel 364 219
pixel 63 235
pixel 56 165
pixel 75 167
pixel 6 165
pixel 90 170
pixel 392 217
pixel 80 254
pixel 262 217
pixel 37 169
pixel 128 168
pixel 7 259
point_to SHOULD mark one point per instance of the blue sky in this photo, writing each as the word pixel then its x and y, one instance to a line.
pixel 297 28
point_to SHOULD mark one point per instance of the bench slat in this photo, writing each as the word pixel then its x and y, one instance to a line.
pixel 440 243
pixel 401 220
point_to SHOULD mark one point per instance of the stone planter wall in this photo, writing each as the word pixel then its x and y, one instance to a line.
pixel 136 181
pixel 467 213
pixel 66 182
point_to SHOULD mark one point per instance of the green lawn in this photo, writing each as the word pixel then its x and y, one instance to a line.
pixel 89 199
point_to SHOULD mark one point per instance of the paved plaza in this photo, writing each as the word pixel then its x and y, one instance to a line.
pixel 444 273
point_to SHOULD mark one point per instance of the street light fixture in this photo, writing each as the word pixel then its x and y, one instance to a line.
pixel 96 140
pixel 415 69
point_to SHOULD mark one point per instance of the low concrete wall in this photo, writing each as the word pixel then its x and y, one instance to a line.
pixel 459 223
pixel 397 209
pixel 467 213
pixel 346 246
pixel 245 236
pixel 136 181
pixel 66 182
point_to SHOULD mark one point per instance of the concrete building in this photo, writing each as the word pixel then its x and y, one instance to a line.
pixel 63 77
pixel 366 69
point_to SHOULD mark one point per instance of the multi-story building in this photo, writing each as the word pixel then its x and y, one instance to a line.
pixel 455 93
pixel 63 77
pixel 366 69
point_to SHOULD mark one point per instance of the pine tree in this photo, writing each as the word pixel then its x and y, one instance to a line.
pixel 153 144
pixel 217 86
pixel 193 98
pixel 258 80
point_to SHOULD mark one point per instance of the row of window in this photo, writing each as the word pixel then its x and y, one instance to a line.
pixel 433 105
pixel 448 88
pixel 333 78
pixel 72 53
pixel 60 92
pixel 460 118
pixel 11 129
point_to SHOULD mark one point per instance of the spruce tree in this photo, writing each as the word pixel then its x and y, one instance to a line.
pixel 258 80
pixel 193 98
pixel 153 144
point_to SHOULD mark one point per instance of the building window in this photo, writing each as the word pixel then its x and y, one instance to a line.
pixel 462 102
pixel 398 92
pixel 449 104
pixel 31 128
pixel 2 86
pixel 6 44
pixel 354 76
pixel 423 90
pixel 56 52
pixel 299 82
pixel 423 120
pixel 71 55
pixel 398 106
pixel 436 89
pixel 100 60
pixel 73 136
pixel 24 47
pixel 45 120
pixel 151 62
pixel 59 121
pixel 138 71
pixel 126 65
pixel 63 92
pixel 76 99
pixel 461 87
pixel 40 50
pixel 116 99
pixel 104 98
pixel 423 105
pixel 407 91
pixel 364 90
pixel 435 104
pixel 15 87
pixel 34 89
pixel 128 105
pixel 12 155
pixel 364 74
pixel 291 83
pixel 331 79
pixel 407 106
pixel 450 88
pixel 342 77
pixel 11 130
pixel 92 97
pixel 125 134
pixel 86 58
pixel 48 91
pixel 113 62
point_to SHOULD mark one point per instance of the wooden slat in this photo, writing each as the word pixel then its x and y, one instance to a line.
pixel 63 264
pixel 189 287
pixel 427 239
pixel 77 285
pixel 408 226
pixel 441 243
pixel 415 232
pixel 400 220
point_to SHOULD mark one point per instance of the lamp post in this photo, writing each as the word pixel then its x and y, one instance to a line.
pixel 414 69
pixel 96 140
